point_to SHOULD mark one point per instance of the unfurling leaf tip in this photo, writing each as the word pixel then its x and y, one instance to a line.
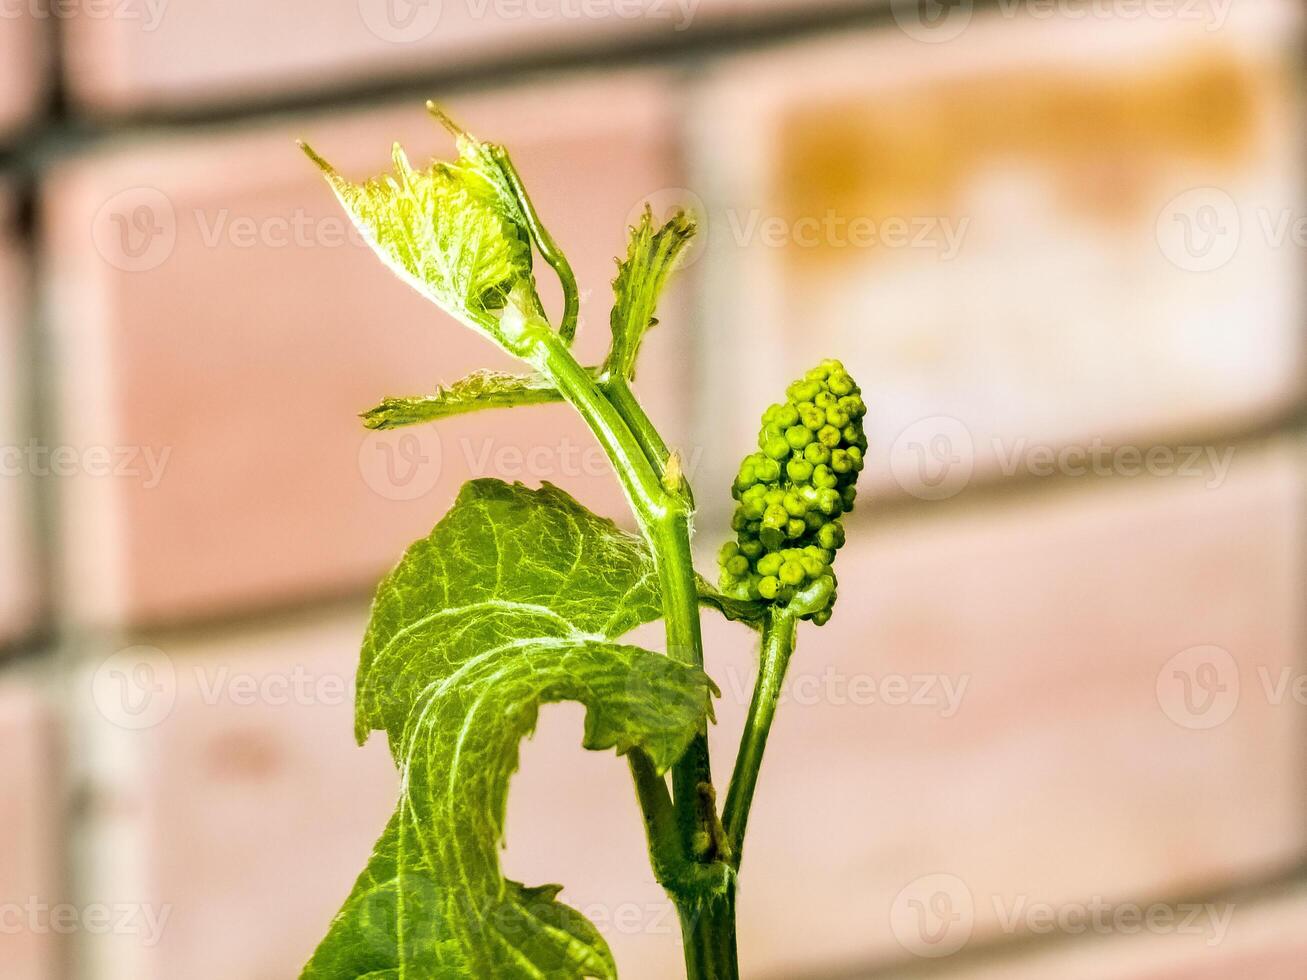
pixel 312 154
pixel 442 117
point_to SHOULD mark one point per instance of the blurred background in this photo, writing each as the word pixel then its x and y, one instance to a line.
pixel 1056 727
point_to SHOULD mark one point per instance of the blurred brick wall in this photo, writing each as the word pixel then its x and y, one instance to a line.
pixel 1056 728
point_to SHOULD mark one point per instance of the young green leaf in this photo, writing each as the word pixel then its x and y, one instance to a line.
pixel 506 569
pixel 650 258
pixel 452 230
pixel 433 901
pixel 483 389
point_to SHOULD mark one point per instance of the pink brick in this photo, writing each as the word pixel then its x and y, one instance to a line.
pixel 232 801
pixel 22 66
pixel 29 823
pixel 1054 150
pixel 17 590
pixel 1067 768
pixel 249 364
pixel 204 52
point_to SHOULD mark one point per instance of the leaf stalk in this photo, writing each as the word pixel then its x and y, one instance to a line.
pixel 778 637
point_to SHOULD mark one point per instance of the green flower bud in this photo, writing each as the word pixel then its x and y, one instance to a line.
pixel 791 573
pixel 799 470
pixel 794 505
pixel 811 416
pixel 829 502
pixel 816 453
pixel 812 567
pixel 831 536
pixel 798 436
pixel 837 416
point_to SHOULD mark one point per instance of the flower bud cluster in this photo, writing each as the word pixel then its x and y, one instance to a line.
pixel 793 492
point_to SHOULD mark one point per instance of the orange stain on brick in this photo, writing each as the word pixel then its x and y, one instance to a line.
pixel 1102 139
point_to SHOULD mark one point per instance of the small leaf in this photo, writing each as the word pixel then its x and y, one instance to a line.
pixel 449 230
pixel 650 258
pixel 484 389
pixel 505 568
pixel 433 901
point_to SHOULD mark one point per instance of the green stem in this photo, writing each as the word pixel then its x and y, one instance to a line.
pixel 619 392
pixel 650 501
pixel 547 247
pixel 778 635
pixel 708 934
pixel 638 456
pixel 665 852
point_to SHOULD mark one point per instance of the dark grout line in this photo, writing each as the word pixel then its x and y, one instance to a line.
pixel 897 512
pixel 63 130
pixel 252 617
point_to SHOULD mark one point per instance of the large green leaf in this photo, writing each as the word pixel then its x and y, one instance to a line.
pixel 506 569
pixel 512 601
pixel 433 901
